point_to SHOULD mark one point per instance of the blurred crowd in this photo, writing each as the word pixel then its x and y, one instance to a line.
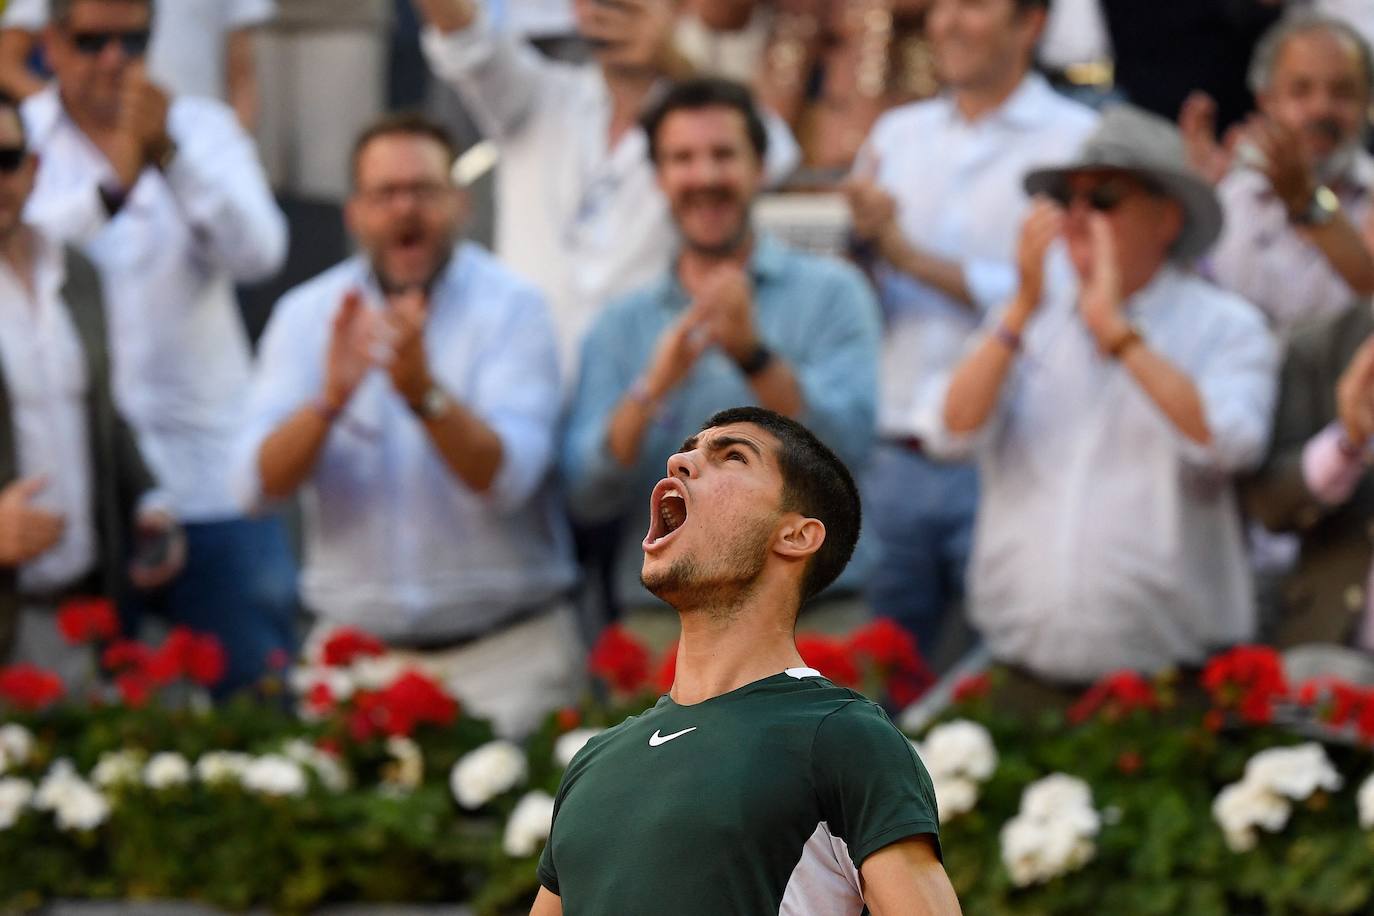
pixel 1090 320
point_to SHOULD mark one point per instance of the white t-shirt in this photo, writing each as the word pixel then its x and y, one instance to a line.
pixel 187 53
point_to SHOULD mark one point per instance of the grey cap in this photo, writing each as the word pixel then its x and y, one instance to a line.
pixel 1129 139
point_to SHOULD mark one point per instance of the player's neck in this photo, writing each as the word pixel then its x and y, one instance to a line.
pixel 717 654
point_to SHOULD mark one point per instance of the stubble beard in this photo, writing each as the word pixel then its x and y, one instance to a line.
pixel 690 587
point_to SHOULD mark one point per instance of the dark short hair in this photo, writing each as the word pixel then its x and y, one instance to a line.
pixel 706 92
pixel 816 483
pixel 60 10
pixel 1026 5
pixel 404 124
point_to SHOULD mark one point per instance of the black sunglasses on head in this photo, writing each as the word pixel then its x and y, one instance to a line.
pixel 134 44
pixel 1104 197
pixel 11 158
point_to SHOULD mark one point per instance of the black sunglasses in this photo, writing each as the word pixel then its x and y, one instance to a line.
pixel 134 44
pixel 12 158
pixel 1104 197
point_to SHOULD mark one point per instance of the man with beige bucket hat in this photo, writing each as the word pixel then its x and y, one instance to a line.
pixel 1109 414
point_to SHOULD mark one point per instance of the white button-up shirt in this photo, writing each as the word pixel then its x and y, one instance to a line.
pixel 1105 538
pixel 1263 258
pixel 586 222
pixel 187 54
pixel 959 196
pixel 169 260
pixel 45 375
pixel 394 542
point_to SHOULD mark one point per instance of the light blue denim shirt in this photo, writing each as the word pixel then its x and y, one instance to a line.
pixel 818 314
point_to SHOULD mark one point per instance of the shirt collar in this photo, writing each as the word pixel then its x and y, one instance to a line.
pixel 42 113
pixel 1026 107
pixel 766 262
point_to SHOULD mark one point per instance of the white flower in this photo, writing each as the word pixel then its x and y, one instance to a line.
pixel 167 770
pixel 375 672
pixel 273 774
pixel 407 770
pixel 61 778
pixel 1241 807
pixel 327 768
pixel 954 795
pixel 222 767
pixel 567 746
pixel 487 772
pixel 529 825
pixel 16 744
pixel 1053 833
pixel 15 795
pixel 82 808
pixel 959 748
pixel 1293 772
pixel 1364 800
pixel 1049 798
pixel 118 768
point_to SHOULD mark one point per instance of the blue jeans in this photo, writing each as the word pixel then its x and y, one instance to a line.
pixel 920 513
pixel 239 584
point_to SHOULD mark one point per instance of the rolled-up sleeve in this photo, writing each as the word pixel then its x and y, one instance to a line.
pixel 499 80
pixel 222 188
pixel 593 479
pixel 838 376
pixel 1238 387
pixel 518 394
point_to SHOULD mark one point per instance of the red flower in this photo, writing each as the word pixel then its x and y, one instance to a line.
pixel 892 651
pixel 413 699
pixel 320 699
pixel 667 670
pixel 620 660
pixel 84 620
pixel 1248 679
pixel 972 687
pixel 1365 724
pixel 206 662
pixel 29 687
pixel 569 717
pixel 1129 762
pixel 1115 696
pixel 346 645
pixel 828 656
pixel 1213 720
pixel 135 688
pixel 125 654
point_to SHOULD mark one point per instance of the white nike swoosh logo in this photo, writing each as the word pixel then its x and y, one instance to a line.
pixel 656 739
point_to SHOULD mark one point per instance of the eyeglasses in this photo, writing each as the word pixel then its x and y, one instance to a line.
pixel 12 158
pixel 91 44
pixel 425 193
pixel 1104 197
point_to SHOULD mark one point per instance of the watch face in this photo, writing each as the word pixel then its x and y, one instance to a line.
pixel 1326 200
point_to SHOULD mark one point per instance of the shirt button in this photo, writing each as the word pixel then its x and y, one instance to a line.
pixel 1354 599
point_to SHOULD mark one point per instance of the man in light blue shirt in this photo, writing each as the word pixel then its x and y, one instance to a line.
pixel 740 319
pixel 412 394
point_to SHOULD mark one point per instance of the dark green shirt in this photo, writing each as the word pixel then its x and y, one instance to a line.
pixel 766 799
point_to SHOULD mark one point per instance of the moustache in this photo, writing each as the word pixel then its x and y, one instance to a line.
pixel 1326 129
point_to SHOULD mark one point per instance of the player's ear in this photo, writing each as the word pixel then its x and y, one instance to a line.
pixel 800 537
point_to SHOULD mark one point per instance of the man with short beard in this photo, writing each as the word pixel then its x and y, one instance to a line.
pixel 1298 240
pixel 412 393
pixel 740 318
pixel 755 785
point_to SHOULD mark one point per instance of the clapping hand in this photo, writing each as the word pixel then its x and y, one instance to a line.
pixel 402 334
pixel 1355 396
pixel 1197 122
pixel 725 304
pixel 1099 300
pixel 1280 157
pixel 26 531
pixel 1039 230
pixel 352 350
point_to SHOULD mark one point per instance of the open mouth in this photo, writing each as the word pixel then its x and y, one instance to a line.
pixel 667 513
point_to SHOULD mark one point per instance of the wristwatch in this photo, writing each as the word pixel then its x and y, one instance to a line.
pixel 758 360
pixel 433 404
pixel 1321 209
